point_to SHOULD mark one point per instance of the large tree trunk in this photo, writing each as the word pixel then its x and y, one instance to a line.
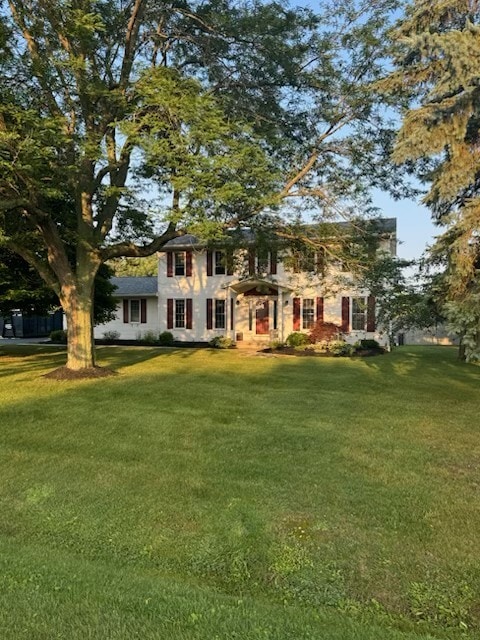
pixel 78 307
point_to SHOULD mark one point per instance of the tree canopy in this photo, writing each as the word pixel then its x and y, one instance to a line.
pixel 437 48
pixel 125 123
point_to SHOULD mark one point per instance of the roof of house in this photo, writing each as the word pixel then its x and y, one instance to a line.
pixel 188 241
pixel 135 286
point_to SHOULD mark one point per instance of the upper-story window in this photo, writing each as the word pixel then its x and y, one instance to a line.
pixel 179 263
pixel 262 260
pixel 307 259
pixel 219 262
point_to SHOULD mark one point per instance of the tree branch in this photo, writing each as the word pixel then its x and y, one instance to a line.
pixel 43 269
pixel 130 41
pixel 132 250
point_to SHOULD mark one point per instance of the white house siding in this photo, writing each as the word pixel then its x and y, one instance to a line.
pixel 131 330
pixel 199 287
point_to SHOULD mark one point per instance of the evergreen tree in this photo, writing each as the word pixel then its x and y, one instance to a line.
pixel 436 74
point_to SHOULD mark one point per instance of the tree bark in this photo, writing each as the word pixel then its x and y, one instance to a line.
pixel 78 307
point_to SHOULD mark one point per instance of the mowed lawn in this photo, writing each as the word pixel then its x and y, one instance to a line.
pixel 205 494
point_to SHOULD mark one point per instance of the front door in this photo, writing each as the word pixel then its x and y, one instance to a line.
pixel 262 320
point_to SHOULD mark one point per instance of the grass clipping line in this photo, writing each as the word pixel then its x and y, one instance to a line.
pixel 64 373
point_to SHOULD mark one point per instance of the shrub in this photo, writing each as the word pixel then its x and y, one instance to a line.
pixel 324 331
pixel 59 336
pixel 149 337
pixel 369 344
pixel 320 347
pixel 297 339
pixel 111 336
pixel 340 348
pixel 276 344
pixel 221 342
pixel 166 339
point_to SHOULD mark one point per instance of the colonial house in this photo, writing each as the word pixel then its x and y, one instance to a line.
pixel 253 295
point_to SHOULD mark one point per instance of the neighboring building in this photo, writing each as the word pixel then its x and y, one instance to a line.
pixel 437 334
pixel 20 325
pixel 251 295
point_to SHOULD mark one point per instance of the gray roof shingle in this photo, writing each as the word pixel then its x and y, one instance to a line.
pixel 188 241
pixel 135 286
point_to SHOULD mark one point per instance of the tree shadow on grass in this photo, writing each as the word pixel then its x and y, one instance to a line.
pixel 27 359
pixel 287 443
pixel 432 361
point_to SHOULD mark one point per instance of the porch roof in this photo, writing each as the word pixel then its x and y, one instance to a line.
pixel 261 284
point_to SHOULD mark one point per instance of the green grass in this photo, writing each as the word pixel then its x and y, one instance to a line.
pixel 208 494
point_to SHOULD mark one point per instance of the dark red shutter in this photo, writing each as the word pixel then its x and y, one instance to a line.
pixel 209 313
pixel 125 311
pixel 189 313
pixel 188 263
pixel 143 310
pixel 169 264
pixel 345 314
pixel 251 261
pixel 371 313
pixel 296 314
pixel 319 309
pixel 232 304
pixel 273 262
pixel 229 263
pixel 170 313
pixel 209 263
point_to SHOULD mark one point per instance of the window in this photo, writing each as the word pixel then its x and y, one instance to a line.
pixel 262 260
pixel 308 313
pixel 134 310
pixel 179 263
pixel 220 263
pixel 359 314
pixel 179 314
pixel 305 259
pixel 220 314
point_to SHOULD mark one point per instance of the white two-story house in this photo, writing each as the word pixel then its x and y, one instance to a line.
pixel 252 295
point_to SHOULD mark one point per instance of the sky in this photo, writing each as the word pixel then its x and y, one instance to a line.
pixel 415 229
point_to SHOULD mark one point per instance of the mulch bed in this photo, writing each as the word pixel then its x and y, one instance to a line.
pixel 64 373
pixel 311 353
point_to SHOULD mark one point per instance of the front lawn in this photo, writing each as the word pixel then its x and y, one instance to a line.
pixel 206 494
